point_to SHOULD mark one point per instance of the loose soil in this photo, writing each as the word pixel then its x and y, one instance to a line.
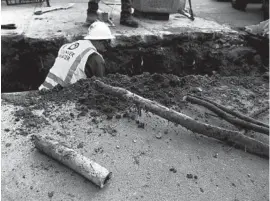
pixel 78 116
pixel 166 89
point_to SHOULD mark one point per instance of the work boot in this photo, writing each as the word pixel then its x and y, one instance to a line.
pixel 128 20
pixel 92 15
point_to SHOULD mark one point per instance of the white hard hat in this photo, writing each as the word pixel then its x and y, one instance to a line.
pixel 99 31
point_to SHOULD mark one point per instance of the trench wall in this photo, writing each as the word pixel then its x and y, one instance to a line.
pixel 26 61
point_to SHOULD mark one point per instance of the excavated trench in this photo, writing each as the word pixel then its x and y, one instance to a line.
pixel 26 61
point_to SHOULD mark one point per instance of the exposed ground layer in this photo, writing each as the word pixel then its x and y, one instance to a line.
pixel 26 61
pixel 166 89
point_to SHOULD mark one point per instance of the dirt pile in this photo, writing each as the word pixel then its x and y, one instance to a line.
pixel 166 89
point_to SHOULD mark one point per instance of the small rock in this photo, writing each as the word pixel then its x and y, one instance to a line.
pixel 93 114
pixel 172 169
pixel 50 194
pixel 23 176
pixel 99 150
pixel 8 144
pixel 89 131
pixel 159 135
pixel 80 145
pixel 107 109
pixel 95 121
pixel 118 116
pixel 189 176
pixel 111 131
pixel 117 147
pixel 248 175
pixel 133 117
pixel 141 125
pixel 6 129
pixel 134 141
pixel 82 99
pixel 33 124
pixel 196 89
pixel 109 116
pixel 22 132
pixel 233 184
pixel 84 108
pixel 201 190
pixel 125 115
pixel 215 155
pixel 72 115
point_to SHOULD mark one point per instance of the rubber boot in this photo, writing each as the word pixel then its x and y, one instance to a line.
pixel 128 20
pixel 92 15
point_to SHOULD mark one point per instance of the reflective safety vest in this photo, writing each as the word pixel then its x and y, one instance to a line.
pixel 69 65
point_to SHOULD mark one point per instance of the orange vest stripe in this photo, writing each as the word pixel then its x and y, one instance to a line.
pixel 56 79
pixel 75 65
pixel 47 85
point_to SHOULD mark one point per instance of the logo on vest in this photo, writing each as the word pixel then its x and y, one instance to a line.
pixel 73 46
pixel 66 52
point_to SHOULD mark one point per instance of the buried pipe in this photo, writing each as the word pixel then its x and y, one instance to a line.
pixel 77 162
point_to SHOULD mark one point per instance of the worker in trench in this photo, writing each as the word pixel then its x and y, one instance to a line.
pixel 79 60
pixel 125 18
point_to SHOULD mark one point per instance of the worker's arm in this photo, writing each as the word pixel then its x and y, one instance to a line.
pixel 95 66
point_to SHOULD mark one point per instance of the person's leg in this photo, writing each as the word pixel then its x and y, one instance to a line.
pixel 92 11
pixel 125 6
pixel 126 18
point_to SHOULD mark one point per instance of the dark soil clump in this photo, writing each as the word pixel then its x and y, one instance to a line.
pixel 29 119
pixel 166 89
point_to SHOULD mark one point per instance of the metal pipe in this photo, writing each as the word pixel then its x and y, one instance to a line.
pixel 79 163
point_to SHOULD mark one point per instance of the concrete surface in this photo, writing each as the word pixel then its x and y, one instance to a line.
pixel 70 23
pixel 223 13
pixel 140 162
